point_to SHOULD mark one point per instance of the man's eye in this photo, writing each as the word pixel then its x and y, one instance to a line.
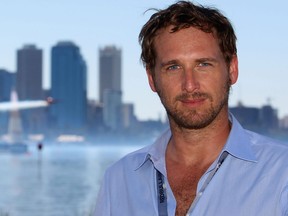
pixel 204 64
pixel 173 67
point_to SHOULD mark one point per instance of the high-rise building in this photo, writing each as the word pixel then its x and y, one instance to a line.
pixel 29 73
pixel 68 87
pixel 110 91
pixel 109 70
pixel 7 83
pixel 29 87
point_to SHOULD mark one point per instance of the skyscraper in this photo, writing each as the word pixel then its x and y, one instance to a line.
pixel 109 70
pixel 68 86
pixel 29 73
pixel 29 86
pixel 110 92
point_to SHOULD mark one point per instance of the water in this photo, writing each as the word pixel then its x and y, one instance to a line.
pixel 61 181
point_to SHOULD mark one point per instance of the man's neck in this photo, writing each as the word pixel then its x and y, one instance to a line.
pixel 198 146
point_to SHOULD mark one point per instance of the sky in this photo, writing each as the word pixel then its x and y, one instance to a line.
pixel 261 28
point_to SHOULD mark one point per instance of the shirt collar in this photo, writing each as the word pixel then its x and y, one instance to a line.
pixel 238 145
pixel 156 151
pixel 239 142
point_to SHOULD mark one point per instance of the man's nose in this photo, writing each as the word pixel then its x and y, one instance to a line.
pixel 190 81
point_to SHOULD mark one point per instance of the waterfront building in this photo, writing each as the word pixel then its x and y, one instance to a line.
pixel 29 86
pixel 110 90
pixel 247 116
pixel 95 117
pixel 112 104
pixel 269 117
pixel 29 73
pixel 68 87
pixel 128 117
pixel 7 83
pixel 264 118
pixel 109 70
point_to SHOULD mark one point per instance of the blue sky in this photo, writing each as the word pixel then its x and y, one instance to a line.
pixel 261 28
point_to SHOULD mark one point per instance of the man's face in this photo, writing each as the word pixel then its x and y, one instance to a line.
pixel 191 77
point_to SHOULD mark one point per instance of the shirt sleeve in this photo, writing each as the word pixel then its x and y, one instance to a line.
pixel 102 207
pixel 284 201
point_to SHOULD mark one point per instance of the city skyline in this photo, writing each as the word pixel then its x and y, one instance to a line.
pixel 260 28
pixel 74 114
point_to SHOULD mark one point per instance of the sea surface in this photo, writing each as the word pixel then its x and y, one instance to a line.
pixel 61 180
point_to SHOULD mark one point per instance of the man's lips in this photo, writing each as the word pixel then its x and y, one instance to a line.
pixel 193 102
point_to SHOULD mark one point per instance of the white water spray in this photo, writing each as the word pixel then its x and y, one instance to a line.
pixel 10 106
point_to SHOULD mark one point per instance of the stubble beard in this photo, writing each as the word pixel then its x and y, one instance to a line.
pixel 194 118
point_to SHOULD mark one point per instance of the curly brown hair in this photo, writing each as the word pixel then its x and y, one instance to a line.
pixel 185 14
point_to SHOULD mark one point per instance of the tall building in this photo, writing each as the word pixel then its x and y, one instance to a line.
pixel 7 82
pixel 109 70
pixel 29 87
pixel 29 73
pixel 110 91
pixel 68 86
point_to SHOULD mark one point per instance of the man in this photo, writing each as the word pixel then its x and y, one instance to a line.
pixel 206 164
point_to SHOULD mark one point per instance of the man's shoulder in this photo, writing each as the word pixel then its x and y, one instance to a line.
pixel 268 147
pixel 130 161
pixel 269 142
pixel 136 159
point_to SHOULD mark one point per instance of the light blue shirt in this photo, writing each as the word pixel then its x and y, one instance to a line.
pixel 252 181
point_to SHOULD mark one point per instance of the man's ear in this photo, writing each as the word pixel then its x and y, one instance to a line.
pixel 233 69
pixel 150 79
